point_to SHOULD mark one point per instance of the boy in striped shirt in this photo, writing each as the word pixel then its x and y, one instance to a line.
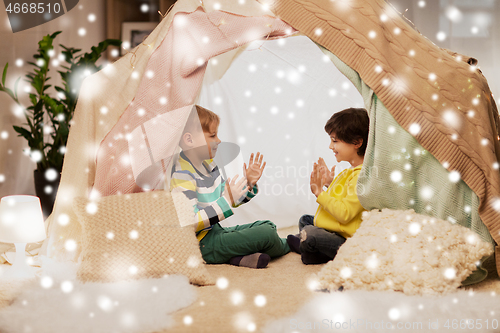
pixel 197 176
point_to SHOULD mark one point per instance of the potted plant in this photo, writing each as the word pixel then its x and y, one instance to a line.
pixel 48 118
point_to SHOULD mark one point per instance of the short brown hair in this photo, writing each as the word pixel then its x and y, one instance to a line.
pixel 205 118
pixel 350 125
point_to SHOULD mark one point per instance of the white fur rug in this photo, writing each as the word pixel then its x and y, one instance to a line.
pixel 56 305
pixel 404 251
pixel 370 311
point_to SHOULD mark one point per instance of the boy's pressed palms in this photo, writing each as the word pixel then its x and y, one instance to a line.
pixel 318 180
pixel 329 173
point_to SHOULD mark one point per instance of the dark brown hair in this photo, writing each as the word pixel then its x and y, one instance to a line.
pixel 350 125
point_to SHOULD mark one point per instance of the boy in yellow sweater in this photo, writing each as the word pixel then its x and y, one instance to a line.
pixel 339 212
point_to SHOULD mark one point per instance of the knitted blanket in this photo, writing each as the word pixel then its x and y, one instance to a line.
pixel 398 173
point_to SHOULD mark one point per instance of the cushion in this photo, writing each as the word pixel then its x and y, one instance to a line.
pixel 405 251
pixel 134 236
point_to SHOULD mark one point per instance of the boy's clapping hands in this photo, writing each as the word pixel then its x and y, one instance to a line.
pixel 254 170
pixel 235 189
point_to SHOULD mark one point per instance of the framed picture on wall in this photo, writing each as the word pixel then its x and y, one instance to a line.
pixel 134 33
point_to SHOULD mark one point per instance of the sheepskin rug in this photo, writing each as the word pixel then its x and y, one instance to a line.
pixel 405 251
pixel 52 304
pixel 376 311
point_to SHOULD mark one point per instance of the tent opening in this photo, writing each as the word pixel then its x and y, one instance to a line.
pixel 274 97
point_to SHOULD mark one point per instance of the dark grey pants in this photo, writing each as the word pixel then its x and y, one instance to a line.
pixel 314 239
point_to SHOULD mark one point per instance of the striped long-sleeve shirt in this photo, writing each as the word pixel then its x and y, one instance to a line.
pixel 204 192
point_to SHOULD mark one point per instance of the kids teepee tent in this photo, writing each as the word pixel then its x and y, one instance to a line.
pixel 434 127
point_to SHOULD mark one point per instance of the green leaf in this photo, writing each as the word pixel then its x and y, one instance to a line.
pixel 37 84
pixel 23 132
pixel 55 34
pixel 38 110
pixel 33 99
pixel 4 75
pixel 52 103
pixel 8 91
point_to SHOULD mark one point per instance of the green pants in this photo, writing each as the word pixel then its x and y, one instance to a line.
pixel 221 244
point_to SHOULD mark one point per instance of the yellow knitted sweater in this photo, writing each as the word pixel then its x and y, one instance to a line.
pixel 339 207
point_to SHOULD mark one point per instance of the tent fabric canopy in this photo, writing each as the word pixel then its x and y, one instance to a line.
pixel 352 30
pixel 173 79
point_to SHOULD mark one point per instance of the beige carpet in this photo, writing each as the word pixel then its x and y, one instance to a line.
pixel 284 283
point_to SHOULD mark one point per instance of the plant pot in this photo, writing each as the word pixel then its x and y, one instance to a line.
pixel 46 190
